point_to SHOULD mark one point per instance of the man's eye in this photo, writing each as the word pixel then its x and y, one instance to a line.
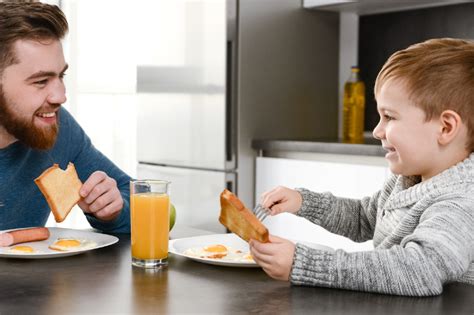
pixel 41 82
pixel 62 75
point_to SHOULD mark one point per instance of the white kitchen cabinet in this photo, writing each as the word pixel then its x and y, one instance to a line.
pixel 344 176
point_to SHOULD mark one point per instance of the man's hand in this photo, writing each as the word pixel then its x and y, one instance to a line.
pixel 275 258
pixel 101 197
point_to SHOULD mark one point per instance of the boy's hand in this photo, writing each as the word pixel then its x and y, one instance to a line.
pixel 275 258
pixel 281 199
pixel 101 197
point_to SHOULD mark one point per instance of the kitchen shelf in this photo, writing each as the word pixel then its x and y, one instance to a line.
pixel 370 147
pixel 366 7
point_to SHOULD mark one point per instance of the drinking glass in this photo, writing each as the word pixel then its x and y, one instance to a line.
pixel 149 211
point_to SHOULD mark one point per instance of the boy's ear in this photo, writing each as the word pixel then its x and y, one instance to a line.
pixel 450 122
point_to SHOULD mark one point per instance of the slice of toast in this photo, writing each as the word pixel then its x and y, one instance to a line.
pixel 240 220
pixel 61 189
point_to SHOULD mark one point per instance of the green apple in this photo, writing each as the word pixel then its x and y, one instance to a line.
pixel 172 215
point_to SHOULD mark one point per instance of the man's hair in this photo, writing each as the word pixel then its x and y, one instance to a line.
pixel 439 75
pixel 28 21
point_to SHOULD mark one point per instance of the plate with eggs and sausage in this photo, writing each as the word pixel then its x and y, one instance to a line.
pixel 51 242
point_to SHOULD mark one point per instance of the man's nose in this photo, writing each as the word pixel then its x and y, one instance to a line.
pixel 57 93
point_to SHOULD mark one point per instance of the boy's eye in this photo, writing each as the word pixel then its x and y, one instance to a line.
pixel 62 75
pixel 387 117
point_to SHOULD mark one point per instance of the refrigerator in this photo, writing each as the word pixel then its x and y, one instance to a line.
pixel 196 118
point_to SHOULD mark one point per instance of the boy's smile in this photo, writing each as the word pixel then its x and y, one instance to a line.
pixel 390 152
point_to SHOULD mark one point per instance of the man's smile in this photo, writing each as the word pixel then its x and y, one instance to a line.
pixel 48 118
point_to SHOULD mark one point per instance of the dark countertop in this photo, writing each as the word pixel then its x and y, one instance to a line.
pixel 103 281
pixel 370 147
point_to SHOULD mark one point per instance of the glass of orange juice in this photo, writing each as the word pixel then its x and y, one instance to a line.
pixel 149 211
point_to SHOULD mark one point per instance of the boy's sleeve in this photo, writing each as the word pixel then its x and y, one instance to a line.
pixel 438 251
pixel 351 218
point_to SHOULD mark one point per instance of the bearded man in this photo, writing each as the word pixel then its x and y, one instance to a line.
pixel 36 132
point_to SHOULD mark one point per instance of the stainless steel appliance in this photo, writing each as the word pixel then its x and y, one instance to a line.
pixel 186 115
pixel 196 112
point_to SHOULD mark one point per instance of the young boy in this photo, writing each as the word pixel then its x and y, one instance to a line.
pixel 422 221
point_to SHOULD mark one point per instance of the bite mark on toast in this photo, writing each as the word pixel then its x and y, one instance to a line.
pixel 61 189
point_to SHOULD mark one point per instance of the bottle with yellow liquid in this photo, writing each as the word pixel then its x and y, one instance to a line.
pixel 353 108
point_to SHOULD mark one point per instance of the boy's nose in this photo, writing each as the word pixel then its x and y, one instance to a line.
pixel 378 132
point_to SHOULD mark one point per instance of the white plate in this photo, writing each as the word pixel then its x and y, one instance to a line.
pixel 179 246
pixel 42 250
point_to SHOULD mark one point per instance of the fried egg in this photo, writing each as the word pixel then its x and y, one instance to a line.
pixel 22 249
pixel 72 244
pixel 220 252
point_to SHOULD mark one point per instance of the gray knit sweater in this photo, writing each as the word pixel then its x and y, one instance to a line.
pixel 423 234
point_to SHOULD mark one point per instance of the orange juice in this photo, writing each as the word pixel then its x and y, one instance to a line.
pixel 150 225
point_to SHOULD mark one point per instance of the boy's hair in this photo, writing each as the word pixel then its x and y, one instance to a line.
pixel 33 21
pixel 439 75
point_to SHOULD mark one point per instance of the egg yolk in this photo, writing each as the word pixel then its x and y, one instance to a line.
pixel 24 249
pixel 216 249
pixel 67 243
pixel 248 257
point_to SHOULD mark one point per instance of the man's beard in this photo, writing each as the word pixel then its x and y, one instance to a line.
pixel 26 131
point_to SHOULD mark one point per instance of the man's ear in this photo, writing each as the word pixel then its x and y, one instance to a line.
pixel 450 123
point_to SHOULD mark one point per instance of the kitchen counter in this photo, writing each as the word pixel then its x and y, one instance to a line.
pixel 103 281
pixel 370 147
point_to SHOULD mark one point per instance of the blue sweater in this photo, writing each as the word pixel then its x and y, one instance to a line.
pixel 21 202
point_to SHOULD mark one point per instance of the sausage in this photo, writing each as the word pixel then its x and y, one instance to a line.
pixel 23 236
